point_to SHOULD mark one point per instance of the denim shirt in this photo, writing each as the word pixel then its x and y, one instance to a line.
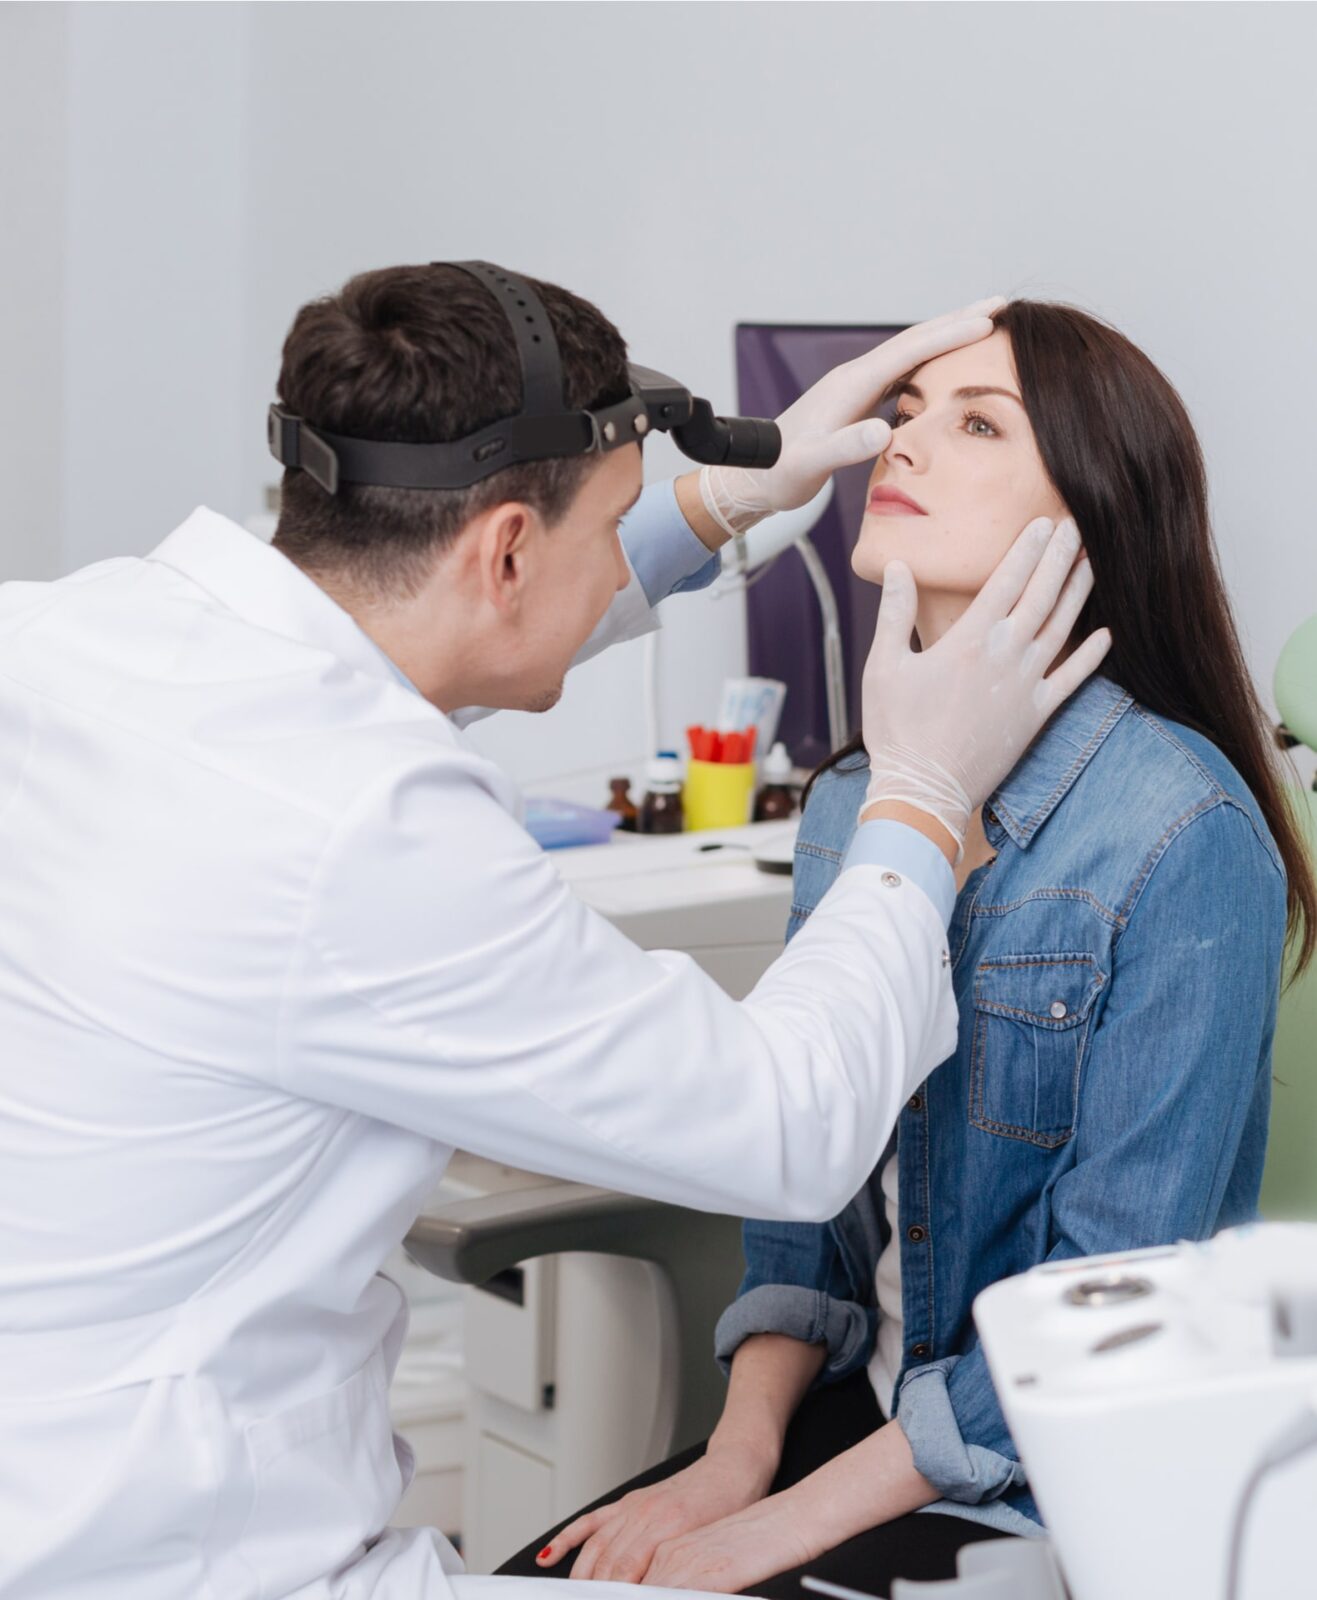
pixel 1116 968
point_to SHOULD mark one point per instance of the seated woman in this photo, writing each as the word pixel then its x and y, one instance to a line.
pixel 1117 949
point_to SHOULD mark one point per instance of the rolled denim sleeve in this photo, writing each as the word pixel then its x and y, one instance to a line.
pixel 664 553
pixel 796 1284
pixel 1172 1125
pixel 956 1431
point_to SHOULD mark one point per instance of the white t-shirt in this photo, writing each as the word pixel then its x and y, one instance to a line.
pixel 885 1364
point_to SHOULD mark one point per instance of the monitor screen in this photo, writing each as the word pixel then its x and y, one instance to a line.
pixel 775 364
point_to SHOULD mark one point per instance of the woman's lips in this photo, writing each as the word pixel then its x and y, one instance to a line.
pixel 884 501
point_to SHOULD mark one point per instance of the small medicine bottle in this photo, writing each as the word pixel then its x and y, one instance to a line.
pixel 620 801
pixel 775 800
pixel 661 810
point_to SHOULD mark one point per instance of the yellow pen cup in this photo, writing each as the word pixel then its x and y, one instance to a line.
pixel 718 794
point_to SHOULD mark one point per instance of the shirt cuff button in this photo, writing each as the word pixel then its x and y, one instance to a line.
pixel 891 880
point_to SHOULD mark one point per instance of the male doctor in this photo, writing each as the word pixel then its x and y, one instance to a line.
pixel 273 942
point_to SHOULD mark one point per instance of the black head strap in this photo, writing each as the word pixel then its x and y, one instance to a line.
pixel 544 429
pixel 537 346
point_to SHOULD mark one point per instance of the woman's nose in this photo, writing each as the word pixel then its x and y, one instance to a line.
pixel 904 448
pixel 908 446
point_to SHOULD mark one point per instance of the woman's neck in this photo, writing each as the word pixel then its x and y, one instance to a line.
pixel 977 852
pixel 937 611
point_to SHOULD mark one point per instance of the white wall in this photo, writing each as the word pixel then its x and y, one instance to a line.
pixel 692 165
pixel 33 99
pixel 155 271
pixel 688 166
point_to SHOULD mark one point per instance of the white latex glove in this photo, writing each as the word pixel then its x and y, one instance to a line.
pixel 945 725
pixel 830 427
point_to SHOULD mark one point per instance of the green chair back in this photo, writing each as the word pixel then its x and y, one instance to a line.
pixel 1289 1183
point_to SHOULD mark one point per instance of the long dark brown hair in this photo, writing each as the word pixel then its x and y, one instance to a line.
pixel 1119 448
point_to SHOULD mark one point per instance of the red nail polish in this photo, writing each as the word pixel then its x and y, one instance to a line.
pixel 547 1550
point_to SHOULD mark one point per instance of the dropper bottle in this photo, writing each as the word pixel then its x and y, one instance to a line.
pixel 661 809
pixel 776 800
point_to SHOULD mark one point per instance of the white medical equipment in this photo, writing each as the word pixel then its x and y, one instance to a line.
pixel 589 1346
pixel 997 1569
pixel 1164 1403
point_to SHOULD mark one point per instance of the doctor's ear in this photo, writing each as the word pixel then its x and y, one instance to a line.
pixel 504 544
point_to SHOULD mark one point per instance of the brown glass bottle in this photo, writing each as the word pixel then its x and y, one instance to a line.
pixel 661 810
pixel 776 801
pixel 621 802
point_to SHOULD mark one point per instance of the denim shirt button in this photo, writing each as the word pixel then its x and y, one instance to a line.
pixel 919 1352
pixel 1058 1009
pixel 916 1235
pixel 916 1102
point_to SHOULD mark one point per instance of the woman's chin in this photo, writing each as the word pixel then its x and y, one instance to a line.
pixel 871 568
pixel 869 565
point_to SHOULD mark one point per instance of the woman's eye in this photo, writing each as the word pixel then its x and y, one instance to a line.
pixel 901 417
pixel 979 425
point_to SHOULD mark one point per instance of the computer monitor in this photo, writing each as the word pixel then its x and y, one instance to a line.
pixel 775 364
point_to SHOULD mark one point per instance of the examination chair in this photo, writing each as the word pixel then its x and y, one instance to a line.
pixel 477 1241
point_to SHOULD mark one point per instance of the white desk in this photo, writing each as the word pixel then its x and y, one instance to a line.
pixel 697 892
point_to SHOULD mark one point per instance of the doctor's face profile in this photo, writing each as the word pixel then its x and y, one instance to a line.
pixel 569 573
pixel 960 478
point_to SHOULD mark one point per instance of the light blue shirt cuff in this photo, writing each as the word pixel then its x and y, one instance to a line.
pixel 664 553
pixel 905 850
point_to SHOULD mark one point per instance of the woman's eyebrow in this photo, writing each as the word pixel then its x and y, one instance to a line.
pixel 976 392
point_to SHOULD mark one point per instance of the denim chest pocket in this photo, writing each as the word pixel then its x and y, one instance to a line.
pixel 1032 1015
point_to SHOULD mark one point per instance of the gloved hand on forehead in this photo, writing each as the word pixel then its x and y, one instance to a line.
pixel 830 425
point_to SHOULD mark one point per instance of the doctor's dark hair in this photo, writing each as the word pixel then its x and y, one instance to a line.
pixel 418 354
pixel 1119 448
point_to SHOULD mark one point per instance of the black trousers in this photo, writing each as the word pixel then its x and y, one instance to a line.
pixel 921 1546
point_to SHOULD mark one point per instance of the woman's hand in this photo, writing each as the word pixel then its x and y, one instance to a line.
pixel 619 1540
pixel 863 1487
pixel 738 1552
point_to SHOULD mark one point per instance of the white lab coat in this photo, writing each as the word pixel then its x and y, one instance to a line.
pixel 272 944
